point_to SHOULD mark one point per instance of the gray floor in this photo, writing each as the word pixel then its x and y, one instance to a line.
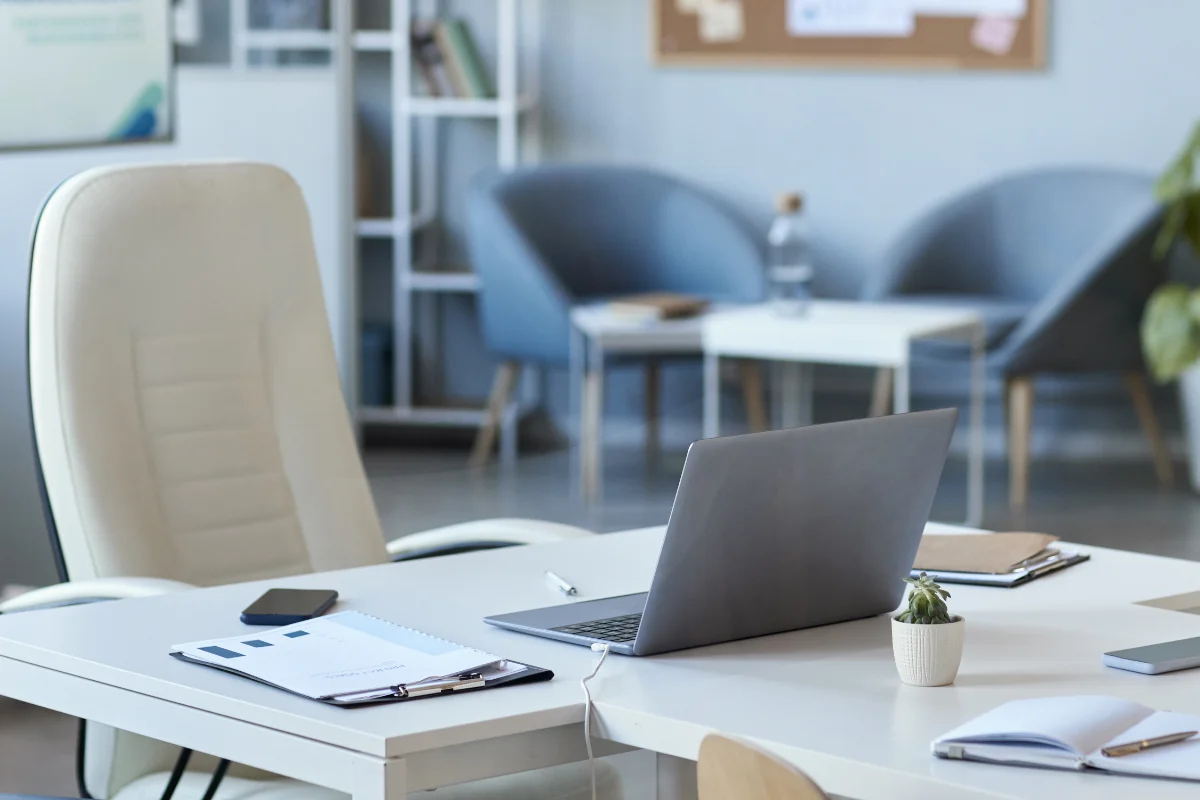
pixel 1115 505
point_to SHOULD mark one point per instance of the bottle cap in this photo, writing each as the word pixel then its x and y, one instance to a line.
pixel 789 202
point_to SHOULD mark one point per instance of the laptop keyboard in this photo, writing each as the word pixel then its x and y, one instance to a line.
pixel 613 629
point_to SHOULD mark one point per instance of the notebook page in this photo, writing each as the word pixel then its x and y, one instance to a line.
pixel 339 654
pixel 1077 724
pixel 1173 761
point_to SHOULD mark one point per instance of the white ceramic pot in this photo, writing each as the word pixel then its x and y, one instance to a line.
pixel 928 655
pixel 1189 403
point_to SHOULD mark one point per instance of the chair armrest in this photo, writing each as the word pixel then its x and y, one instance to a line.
pixel 86 591
pixel 482 534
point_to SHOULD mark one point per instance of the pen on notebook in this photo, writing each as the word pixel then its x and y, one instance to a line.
pixel 1118 750
pixel 561 585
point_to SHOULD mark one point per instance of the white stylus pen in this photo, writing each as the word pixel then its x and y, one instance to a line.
pixel 561 585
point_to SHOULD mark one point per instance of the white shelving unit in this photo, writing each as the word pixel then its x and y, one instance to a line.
pixel 419 278
pixel 418 275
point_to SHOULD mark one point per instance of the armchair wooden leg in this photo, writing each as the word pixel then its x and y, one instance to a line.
pixel 752 395
pixel 502 387
pixel 651 376
pixel 1020 431
pixel 881 395
pixel 1139 391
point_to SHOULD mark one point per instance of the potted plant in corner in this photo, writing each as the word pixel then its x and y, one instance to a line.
pixel 926 640
pixel 1171 324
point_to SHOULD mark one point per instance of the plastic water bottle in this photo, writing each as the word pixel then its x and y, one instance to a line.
pixel 789 264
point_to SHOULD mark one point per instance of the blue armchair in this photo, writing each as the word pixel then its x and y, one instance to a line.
pixel 547 238
pixel 1059 262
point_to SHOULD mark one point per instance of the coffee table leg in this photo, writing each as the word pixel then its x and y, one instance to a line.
pixel 795 394
pixel 593 436
pixel 712 395
pixel 900 390
pixel 577 407
pixel 975 460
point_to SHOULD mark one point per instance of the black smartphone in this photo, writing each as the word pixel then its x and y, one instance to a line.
pixel 285 606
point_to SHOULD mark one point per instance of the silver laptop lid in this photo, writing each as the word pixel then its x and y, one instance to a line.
pixel 791 529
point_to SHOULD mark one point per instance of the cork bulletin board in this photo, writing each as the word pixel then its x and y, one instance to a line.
pixel 916 34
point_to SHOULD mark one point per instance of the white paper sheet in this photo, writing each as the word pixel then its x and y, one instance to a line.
pixel 967 8
pixel 721 20
pixel 346 653
pixel 850 18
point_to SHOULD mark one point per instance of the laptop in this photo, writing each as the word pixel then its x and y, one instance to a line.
pixel 774 532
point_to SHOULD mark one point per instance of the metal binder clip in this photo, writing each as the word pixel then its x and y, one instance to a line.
pixel 440 685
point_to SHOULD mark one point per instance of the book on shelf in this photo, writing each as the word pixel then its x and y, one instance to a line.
pixel 427 55
pixel 465 65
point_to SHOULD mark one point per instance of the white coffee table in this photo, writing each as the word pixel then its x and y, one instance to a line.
pixel 597 333
pixel 843 332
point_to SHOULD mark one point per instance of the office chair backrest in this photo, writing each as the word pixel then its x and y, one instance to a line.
pixel 731 769
pixel 186 405
pixel 1018 237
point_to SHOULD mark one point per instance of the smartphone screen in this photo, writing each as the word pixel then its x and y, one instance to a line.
pixel 302 603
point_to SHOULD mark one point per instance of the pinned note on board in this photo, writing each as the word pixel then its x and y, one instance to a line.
pixel 721 20
pixel 849 18
pixel 995 35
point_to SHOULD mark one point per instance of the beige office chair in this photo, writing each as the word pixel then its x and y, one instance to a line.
pixel 731 769
pixel 190 426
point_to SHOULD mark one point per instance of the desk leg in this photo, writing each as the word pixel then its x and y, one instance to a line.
pixel 676 778
pixel 975 460
pixel 712 396
pixel 380 780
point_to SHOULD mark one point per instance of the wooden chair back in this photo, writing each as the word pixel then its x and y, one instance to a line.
pixel 732 770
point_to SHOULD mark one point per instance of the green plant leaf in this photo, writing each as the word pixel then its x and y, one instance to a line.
pixel 1177 179
pixel 1169 333
pixel 1172 227
pixel 1191 223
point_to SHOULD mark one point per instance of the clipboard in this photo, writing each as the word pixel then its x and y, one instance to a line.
pixel 459 684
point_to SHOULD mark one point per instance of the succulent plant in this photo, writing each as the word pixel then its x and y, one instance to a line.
pixel 926 603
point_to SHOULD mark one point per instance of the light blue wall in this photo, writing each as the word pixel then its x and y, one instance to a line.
pixel 872 149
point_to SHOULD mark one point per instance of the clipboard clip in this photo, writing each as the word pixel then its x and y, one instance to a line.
pixel 456 683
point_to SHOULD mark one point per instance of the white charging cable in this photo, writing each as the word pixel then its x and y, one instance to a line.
pixel 603 649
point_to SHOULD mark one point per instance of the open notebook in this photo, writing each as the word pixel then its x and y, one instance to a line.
pixel 1069 732
pixel 352 658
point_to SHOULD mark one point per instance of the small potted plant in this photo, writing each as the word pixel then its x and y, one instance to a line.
pixel 926 640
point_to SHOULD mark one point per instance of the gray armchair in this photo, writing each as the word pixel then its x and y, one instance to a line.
pixel 1059 262
pixel 547 238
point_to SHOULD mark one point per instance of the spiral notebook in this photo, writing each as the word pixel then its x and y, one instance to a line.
pixel 353 658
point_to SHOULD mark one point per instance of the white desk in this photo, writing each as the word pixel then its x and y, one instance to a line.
pixel 827 699
pixel 842 332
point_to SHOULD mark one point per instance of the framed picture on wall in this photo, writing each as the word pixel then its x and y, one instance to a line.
pixel 85 72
